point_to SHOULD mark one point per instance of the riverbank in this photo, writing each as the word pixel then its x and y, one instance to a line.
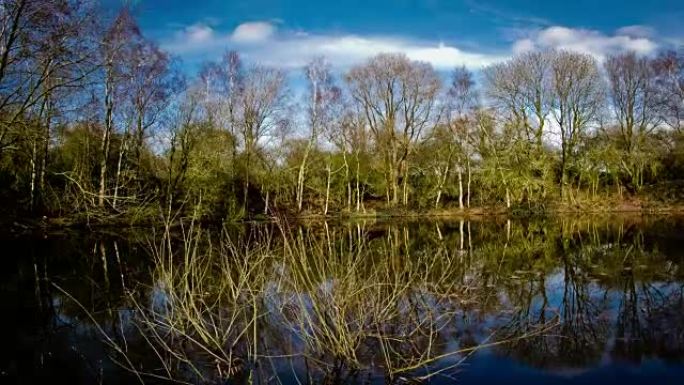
pixel 27 224
pixel 589 208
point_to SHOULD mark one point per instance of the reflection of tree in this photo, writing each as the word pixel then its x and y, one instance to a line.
pixel 664 321
pixel 577 340
pixel 53 327
pixel 582 331
pixel 603 274
pixel 389 299
pixel 650 312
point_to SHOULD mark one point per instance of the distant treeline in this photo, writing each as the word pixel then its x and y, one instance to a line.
pixel 97 120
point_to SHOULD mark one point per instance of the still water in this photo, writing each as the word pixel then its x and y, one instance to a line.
pixel 545 301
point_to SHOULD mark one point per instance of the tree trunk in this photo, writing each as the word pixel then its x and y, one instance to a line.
pixel 508 231
pixel 309 145
pixel 358 189
pixel 460 188
pixel 38 170
pixel 139 137
pixel 300 178
pixel 327 189
pixel 394 171
pixel 440 186
pixel 563 166
pixel 404 182
pixel 106 135
pixel 119 162
pixel 468 183
pixel 394 185
pixel 245 190
pixel 347 179
pixel 363 204
pixel 33 175
pixel 46 144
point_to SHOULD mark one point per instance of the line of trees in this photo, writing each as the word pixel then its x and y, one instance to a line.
pixel 95 118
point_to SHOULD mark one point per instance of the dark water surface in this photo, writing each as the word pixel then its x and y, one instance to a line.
pixel 551 301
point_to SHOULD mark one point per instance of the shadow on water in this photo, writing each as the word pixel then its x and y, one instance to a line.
pixel 561 300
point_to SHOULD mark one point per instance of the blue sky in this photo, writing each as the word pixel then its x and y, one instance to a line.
pixel 446 33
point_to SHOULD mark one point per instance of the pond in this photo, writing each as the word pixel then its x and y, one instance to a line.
pixel 590 300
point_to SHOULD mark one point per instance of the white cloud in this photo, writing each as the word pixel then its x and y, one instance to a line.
pixel 190 39
pixel 348 50
pixel 253 32
pixel 632 38
pixel 259 42
pixel 201 38
pixel 523 45
pixel 636 31
pixel 262 42
pixel 198 33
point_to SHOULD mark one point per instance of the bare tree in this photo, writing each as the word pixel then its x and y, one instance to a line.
pixel 635 106
pixel 42 52
pixel 322 92
pixel 462 103
pixel 16 91
pixel 349 135
pixel 520 90
pixel 632 92
pixel 669 72
pixel 153 82
pixel 113 55
pixel 235 86
pixel 222 85
pixel 182 137
pixel 261 108
pixel 397 97
pixel 577 101
pixel 148 81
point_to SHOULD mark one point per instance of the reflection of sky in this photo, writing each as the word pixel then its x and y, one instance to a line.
pixel 484 369
pixel 487 366
pixel 605 304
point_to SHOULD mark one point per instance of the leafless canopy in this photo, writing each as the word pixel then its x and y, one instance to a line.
pixel 397 97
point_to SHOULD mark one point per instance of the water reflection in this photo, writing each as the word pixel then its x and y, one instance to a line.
pixel 361 302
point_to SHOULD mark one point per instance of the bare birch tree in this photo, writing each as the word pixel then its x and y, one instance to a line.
pixel 261 108
pixel 577 102
pixel 397 97
pixel 520 90
pixel 321 93
pixel 631 81
pixel 462 103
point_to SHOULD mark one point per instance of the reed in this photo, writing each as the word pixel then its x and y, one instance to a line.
pixel 329 301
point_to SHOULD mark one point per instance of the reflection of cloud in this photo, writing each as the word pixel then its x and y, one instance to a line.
pixel 632 38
